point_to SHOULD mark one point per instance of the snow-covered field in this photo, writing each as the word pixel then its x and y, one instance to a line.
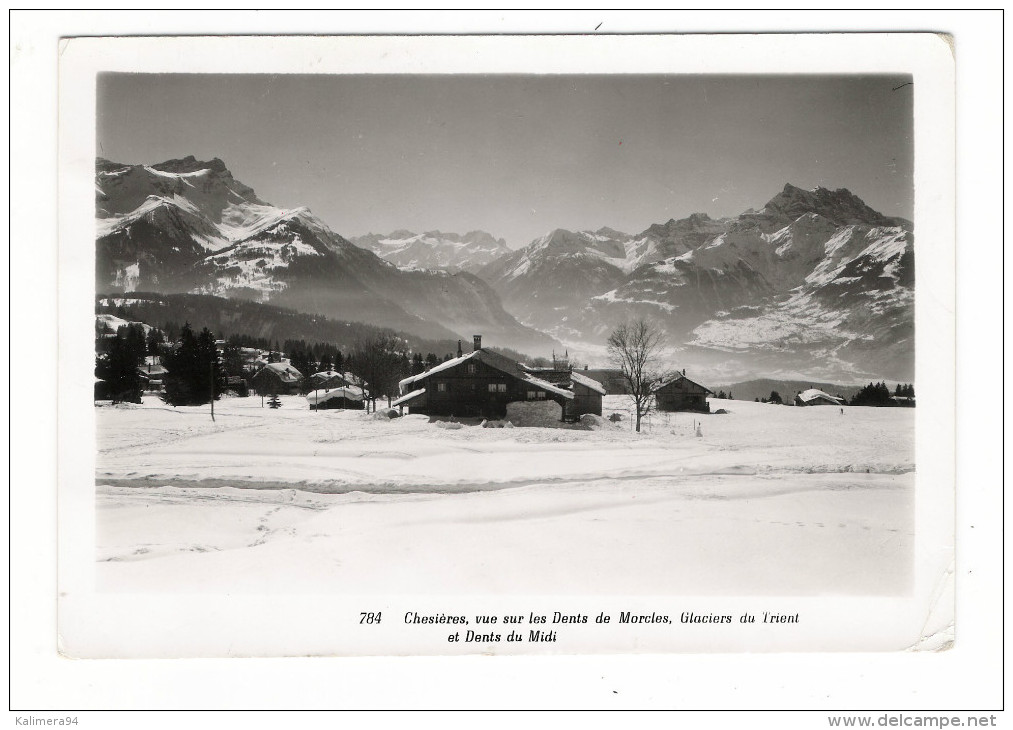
pixel 769 500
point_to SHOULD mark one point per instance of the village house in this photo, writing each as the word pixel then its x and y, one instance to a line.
pixel 344 397
pixel 482 383
pixel 326 380
pixel 903 400
pixel 587 392
pixel 814 397
pixel 682 394
pixel 587 395
pixel 277 378
pixel 152 374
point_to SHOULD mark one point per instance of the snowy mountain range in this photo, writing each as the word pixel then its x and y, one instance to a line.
pixel 435 249
pixel 190 226
pixel 815 279
pixel 815 283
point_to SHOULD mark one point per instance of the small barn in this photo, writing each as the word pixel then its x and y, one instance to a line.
pixel 682 394
pixel 344 397
pixel 479 384
pixel 587 392
pixel 277 377
pixel 587 395
pixel 814 397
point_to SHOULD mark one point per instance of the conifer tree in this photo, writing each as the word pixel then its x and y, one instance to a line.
pixel 194 374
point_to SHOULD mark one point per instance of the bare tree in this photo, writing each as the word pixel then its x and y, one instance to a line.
pixel 635 349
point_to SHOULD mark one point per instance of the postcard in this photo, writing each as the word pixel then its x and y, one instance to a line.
pixel 506 345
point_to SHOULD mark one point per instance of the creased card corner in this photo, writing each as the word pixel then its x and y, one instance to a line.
pixel 938 631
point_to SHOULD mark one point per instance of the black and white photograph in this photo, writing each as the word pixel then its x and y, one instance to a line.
pixel 505 346
pixel 505 334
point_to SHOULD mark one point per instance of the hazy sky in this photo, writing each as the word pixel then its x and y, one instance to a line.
pixel 520 155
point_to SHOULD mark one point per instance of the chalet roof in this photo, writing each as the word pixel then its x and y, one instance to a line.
pixel 408 396
pixel 588 382
pixel 328 376
pixel 545 385
pixel 494 360
pixel 807 396
pixel 283 371
pixel 666 383
pixel 447 365
pixel 349 392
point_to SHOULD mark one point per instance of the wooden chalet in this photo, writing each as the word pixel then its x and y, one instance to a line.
pixel 326 380
pixel 480 384
pixel 682 394
pixel 277 378
pixel 587 395
pixel 815 397
pixel 587 392
pixel 344 397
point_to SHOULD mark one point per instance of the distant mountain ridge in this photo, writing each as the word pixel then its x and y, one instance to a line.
pixel 435 249
pixel 187 226
pixel 813 279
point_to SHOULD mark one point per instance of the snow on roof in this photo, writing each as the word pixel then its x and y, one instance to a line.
pixel 326 374
pixel 408 396
pixel 283 370
pixel 437 368
pixel 329 376
pixel 588 382
pixel 813 394
pixel 495 360
pixel 545 385
pixel 349 392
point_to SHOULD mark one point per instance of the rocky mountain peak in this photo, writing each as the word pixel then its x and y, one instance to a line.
pixel 840 206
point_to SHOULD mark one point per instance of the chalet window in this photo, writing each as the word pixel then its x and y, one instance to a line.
pixel 541 395
pixel 497 388
pixel 531 395
pixel 441 387
pixel 471 368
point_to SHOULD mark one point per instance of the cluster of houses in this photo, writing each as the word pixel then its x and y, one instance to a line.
pixel 482 382
pixel 476 384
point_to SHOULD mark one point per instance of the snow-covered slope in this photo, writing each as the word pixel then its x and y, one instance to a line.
pixel 435 249
pixel 189 226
